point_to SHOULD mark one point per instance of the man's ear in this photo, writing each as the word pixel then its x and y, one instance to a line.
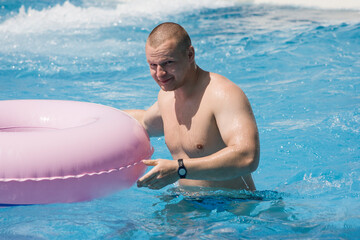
pixel 191 54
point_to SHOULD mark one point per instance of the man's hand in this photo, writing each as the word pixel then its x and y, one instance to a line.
pixel 163 174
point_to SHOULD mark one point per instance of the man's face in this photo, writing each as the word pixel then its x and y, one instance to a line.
pixel 168 65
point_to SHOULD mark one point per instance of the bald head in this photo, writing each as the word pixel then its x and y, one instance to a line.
pixel 169 31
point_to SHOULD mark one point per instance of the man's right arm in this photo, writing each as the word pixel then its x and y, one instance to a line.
pixel 150 119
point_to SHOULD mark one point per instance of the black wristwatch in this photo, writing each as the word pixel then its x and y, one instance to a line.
pixel 181 170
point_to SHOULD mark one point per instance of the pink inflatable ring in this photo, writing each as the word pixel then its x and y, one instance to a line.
pixel 64 151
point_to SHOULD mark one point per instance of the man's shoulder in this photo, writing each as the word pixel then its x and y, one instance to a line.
pixel 165 97
pixel 222 87
pixel 227 99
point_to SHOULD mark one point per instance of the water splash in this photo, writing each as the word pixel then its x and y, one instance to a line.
pixel 67 16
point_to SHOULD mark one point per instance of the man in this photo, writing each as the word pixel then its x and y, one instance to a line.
pixel 206 119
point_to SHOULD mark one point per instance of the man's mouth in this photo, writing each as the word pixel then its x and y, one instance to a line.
pixel 164 81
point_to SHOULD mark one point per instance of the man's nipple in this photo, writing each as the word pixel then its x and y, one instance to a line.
pixel 199 146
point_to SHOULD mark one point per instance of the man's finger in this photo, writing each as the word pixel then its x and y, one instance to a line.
pixel 150 162
pixel 144 180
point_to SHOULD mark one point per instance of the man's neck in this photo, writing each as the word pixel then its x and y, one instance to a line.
pixel 191 84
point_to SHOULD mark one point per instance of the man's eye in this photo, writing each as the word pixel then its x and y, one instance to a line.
pixel 167 63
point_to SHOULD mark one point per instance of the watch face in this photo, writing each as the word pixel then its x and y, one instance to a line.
pixel 182 171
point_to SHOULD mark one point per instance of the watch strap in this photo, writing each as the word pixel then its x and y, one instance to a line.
pixel 181 170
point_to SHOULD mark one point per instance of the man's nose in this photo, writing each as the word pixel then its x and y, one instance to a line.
pixel 160 71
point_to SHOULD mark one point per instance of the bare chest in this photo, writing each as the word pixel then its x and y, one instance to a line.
pixel 191 131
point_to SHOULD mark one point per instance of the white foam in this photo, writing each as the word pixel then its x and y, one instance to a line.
pixel 94 15
pixel 323 4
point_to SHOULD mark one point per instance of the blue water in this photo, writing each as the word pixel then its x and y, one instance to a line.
pixel 299 65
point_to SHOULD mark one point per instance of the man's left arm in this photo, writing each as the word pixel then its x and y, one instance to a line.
pixel 238 129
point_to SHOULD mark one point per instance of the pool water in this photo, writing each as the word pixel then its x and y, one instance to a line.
pixel 298 63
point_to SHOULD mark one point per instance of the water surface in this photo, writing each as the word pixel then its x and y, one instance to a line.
pixel 298 64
